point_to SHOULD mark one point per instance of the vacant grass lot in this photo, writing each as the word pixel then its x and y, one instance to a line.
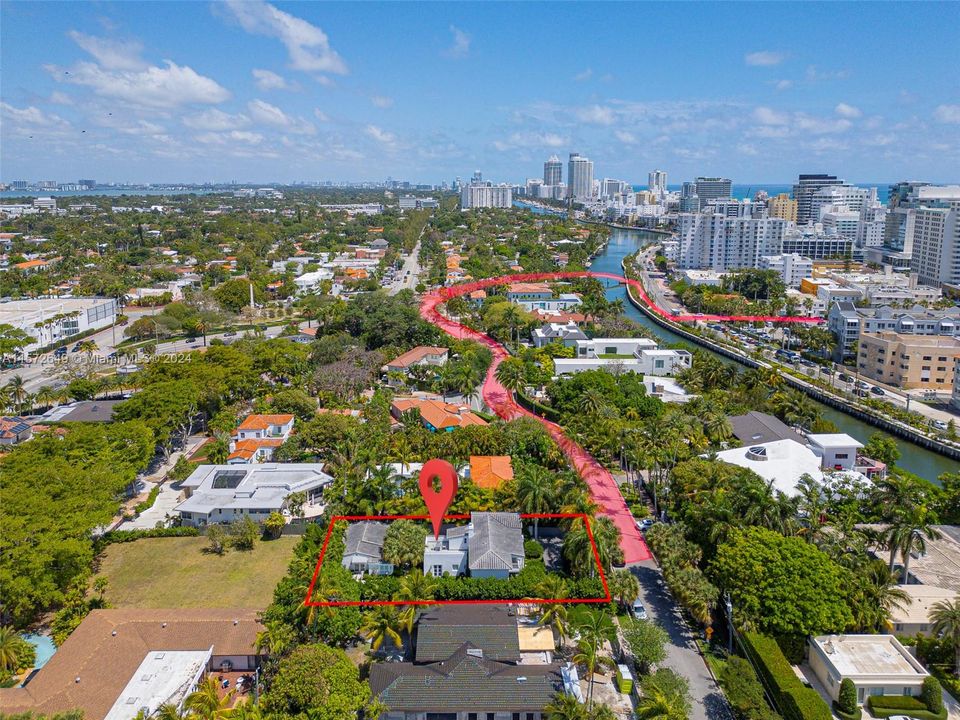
pixel 176 573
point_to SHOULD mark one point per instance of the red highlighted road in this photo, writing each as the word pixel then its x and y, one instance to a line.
pixel 603 487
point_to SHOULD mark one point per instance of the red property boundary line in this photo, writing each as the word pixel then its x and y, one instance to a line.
pixel 456 290
pixel 522 601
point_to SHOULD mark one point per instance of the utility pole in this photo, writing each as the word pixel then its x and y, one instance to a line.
pixel 729 606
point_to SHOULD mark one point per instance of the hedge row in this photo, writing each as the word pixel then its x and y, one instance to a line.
pixel 148 503
pixel 123 536
pixel 918 714
pixel 795 701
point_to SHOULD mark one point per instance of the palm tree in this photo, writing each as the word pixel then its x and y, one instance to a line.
pixel 625 587
pixel 380 625
pixel 591 402
pixel 205 702
pixel 945 622
pixel 555 614
pixel 17 392
pixel 168 711
pixel 588 654
pixel 45 397
pixel 909 533
pixel 565 707
pixel 511 373
pixel 12 649
pixel 414 586
pixel 661 705
pixel 875 596
pixel 275 639
pixel 535 493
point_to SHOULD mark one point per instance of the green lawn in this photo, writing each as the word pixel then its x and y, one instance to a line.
pixel 175 573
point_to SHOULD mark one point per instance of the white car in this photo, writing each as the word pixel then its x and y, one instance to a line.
pixel 638 610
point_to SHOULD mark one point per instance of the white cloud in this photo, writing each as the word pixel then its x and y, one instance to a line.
pixel 531 140
pixel 821 126
pixel 784 84
pixel 308 47
pixel 216 120
pixel 321 115
pixel 814 74
pixel 947 113
pixel 381 101
pixel 268 80
pixel 625 137
pixel 267 114
pixel 380 135
pixel 747 149
pixel 59 98
pixel 32 117
pixel 461 44
pixel 154 87
pixel 768 116
pixel 583 75
pixel 109 53
pixel 848 111
pixel 764 58
pixel 596 114
pixel 241 136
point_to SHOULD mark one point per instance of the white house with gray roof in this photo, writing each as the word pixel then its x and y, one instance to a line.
pixel 224 493
pixel 491 545
pixel 363 548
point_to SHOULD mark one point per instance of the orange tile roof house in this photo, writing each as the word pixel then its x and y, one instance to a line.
pixel 121 661
pixel 435 415
pixel 420 355
pixel 490 471
pixel 256 438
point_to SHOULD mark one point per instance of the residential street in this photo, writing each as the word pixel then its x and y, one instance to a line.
pixel 682 654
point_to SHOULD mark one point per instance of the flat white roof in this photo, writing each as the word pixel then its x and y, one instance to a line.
pixel 923 597
pixel 780 461
pixel 15 311
pixel 164 676
pixel 834 440
pixel 865 656
pixel 252 486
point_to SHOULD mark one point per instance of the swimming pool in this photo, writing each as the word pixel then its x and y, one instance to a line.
pixel 44 647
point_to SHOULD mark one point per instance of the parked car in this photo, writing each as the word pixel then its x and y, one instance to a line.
pixel 638 610
pixel 645 524
pixel 230 333
pixel 860 392
pixel 877 391
pixel 939 424
pixel 60 351
pixel 843 377
pixel 862 384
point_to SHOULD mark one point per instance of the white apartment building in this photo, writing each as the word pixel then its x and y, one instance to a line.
pixel 936 243
pixel 839 197
pixel 845 223
pixel 486 195
pixel 309 283
pixel 657 182
pixel 791 268
pixel 50 320
pixel 580 178
pixel 712 241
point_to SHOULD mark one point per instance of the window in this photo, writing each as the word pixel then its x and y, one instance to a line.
pixel 471 716
pixel 529 716
pixel 437 570
pixel 491 716
pixel 516 716
pixel 841 456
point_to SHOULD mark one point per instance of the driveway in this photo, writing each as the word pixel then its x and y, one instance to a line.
pixel 682 654
pixel 167 500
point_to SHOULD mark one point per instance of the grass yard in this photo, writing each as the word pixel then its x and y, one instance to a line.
pixel 175 572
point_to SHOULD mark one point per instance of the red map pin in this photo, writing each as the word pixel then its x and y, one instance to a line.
pixel 438 501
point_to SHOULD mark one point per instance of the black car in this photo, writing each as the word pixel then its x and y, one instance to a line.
pixel 877 391
pixel 843 377
pixel 60 351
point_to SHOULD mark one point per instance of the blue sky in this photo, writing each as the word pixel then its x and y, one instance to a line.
pixel 253 91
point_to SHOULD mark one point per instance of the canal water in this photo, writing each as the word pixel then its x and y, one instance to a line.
pixel 918 460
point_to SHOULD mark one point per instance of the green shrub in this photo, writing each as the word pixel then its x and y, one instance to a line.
pixel 532 550
pixel 794 701
pixel 122 536
pixel 793 647
pixel 857 713
pixel 895 702
pixel 932 694
pixel 847 700
pixel 639 510
pixel 744 691
pixel 148 503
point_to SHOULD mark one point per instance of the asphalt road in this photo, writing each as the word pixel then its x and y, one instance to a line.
pixel 410 272
pixel 682 654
